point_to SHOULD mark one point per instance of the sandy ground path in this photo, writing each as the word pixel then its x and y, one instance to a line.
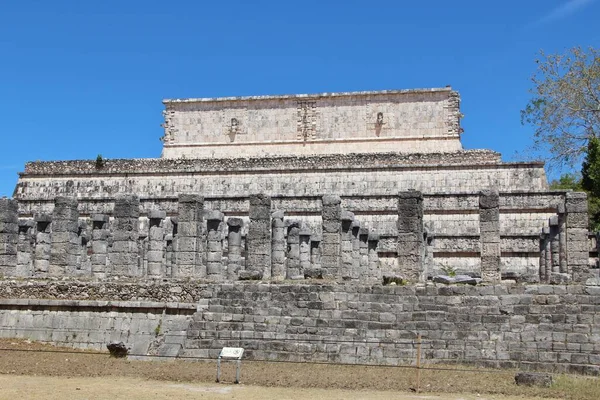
pixel 110 388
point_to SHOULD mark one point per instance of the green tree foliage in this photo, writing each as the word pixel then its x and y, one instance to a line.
pixel 567 181
pixel 590 181
pixel 565 104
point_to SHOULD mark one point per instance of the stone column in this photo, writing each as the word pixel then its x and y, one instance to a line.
pixel 25 248
pixel 562 238
pixel 363 254
pixel 100 235
pixel 214 255
pixel 355 271
pixel 555 244
pixel 65 237
pixel 542 270
pixel 156 244
pixel 304 250
pixel 577 235
pixel 43 244
pixel 489 226
pixel 234 247
pixel 347 264
pixel 9 236
pixel 190 238
pixel 124 252
pixel 258 258
pixel 293 250
pixel 331 245
pixel 547 253
pixel 170 226
pixel 315 252
pixel 410 235
pixel 278 246
pixel 374 270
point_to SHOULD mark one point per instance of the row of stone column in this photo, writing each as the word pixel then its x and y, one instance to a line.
pixel 564 243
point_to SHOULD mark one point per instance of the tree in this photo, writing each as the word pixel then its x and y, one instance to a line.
pixel 565 107
pixel 590 181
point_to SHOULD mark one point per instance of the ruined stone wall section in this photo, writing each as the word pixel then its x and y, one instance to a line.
pixel 168 238
pixel 512 326
pixel 9 236
pixel 349 176
pixel 313 124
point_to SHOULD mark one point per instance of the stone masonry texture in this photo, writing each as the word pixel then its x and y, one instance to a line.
pixel 190 252
pixel 65 237
pixel 332 240
pixel 489 226
pixel 9 236
pixel 410 247
pixel 123 253
pixel 259 236
pixel 577 231
pixel 537 327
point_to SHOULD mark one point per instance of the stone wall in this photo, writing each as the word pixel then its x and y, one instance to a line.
pixel 296 237
pixel 543 327
pixel 344 175
pixel 405 121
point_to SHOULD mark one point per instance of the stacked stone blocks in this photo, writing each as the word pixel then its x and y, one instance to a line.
pixel 489 225
pixel 9 236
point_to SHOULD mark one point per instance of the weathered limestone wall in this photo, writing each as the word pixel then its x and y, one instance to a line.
pixel 9 235
pixel 308 237
pixel 147 328
pixel 406 121
pixel 344 175
pixel 545 327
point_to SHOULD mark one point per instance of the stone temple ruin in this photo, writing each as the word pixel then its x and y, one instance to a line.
pixel 333 194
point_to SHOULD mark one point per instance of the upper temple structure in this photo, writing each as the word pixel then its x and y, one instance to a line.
pixel 364 186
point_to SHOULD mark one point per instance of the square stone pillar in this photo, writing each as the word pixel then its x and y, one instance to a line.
pixel 489 228
pixel 293 249
pixel 64 254
pixel 331 244
pixel 554 244
pixel 43 244
pixel 124 252
pixel 156 244
pixel 278 246
pixel 410 245
pixel 100 236
pixel 363 252
pixel 374 270
pixel 258 258
pixel 25 248
pixel 355 272
pixel 9 236
pixel 190 244
pixel 576 208
pixel 347 245
pixel 304 250
pixel 234 247
pixel 562 238
pixel 214 246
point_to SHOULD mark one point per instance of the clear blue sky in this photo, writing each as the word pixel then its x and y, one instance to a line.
pixel 82 78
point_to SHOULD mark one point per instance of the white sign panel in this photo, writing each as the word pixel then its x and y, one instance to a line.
pixel 232 352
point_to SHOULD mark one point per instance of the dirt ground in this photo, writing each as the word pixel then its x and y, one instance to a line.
pixel 35 371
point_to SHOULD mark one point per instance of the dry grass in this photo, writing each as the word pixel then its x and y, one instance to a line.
pixel 27 359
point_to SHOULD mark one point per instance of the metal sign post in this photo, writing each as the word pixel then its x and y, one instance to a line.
pixel 231 354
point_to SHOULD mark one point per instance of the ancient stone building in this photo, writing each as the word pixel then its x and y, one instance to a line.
pixel 405 187
pixel 338 194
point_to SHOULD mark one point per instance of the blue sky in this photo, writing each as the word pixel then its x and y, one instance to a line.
pixel 82 78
